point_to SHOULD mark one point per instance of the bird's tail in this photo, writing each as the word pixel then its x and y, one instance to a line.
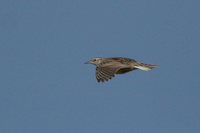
pixel 145 67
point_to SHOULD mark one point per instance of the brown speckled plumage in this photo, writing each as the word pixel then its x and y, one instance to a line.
pixel 106 68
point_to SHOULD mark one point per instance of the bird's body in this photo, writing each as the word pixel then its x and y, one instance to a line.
pixel 106 68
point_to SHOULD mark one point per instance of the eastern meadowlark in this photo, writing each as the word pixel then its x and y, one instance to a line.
pixel 106 68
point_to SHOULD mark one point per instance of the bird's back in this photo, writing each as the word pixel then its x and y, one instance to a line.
pixel 118 60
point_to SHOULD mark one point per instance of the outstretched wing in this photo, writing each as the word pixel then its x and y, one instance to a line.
pixel 108 68
pixel 105 73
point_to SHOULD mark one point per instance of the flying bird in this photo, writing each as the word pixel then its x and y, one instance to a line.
pixel 107 68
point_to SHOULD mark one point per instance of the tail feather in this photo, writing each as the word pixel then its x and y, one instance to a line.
pixel 145 67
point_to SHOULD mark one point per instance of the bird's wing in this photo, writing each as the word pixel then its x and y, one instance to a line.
pixel 107 71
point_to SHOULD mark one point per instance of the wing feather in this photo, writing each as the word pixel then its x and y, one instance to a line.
pixel 105 73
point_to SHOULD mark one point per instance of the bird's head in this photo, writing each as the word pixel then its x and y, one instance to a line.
pixel 94 61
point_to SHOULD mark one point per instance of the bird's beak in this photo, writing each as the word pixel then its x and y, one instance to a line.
pixel 88 62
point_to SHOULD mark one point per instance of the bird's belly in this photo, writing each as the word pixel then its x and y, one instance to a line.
pixel 124 70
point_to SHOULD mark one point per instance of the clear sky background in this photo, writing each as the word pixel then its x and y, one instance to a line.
pixel 45 87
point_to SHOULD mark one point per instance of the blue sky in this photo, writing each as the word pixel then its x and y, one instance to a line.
pixel 46 87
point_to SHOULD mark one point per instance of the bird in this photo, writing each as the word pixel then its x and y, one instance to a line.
pixel 107 68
